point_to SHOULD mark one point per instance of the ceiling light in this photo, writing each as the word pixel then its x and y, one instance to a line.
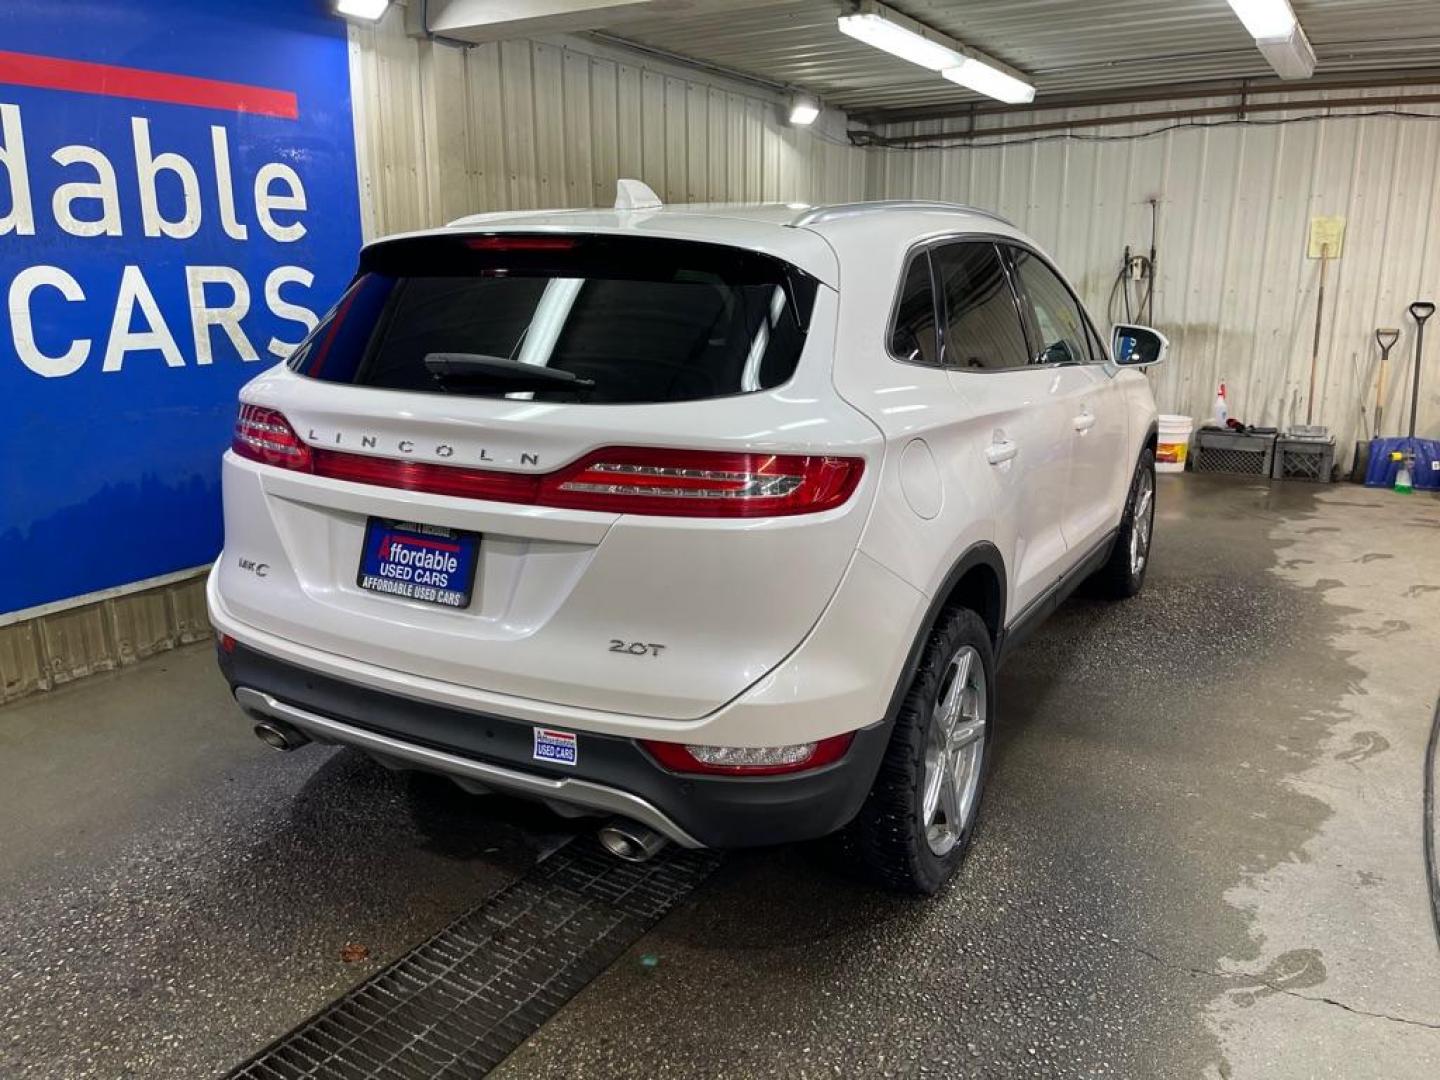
pixel 1265 19
pixel 877 25
pixel 362 9
pixel 803 110
pixel 986 79
pixel 886 32
pixel 1291 56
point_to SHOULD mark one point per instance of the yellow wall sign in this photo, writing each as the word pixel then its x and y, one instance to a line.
pixel 1327 237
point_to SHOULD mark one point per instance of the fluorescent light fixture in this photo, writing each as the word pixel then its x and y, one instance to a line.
pixel 1290 56
pixel 991 81
pixel 885 32
pixel 370 10
pixel 1265 19
pixel 877 25
pixel 803 110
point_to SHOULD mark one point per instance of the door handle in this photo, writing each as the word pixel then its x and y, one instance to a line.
pixel 1085 421
pixel 1003 450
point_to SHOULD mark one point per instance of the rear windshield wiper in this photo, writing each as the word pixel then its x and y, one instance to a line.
pixel 471 369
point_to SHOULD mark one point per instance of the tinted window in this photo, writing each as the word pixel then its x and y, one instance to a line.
pixel 634 321
pixel 1058 329
pixel 913 336
pixel 982 323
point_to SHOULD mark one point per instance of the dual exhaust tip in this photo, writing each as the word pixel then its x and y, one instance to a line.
pixel 279 735
pixel 630 841
pixel 627 840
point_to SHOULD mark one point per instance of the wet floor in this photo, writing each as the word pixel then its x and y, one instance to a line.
pixel 1200 856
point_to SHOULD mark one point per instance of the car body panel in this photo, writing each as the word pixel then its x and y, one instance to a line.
pixel 754 632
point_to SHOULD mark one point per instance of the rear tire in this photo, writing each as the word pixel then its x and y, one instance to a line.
pixel 1123 574
pixel 919 818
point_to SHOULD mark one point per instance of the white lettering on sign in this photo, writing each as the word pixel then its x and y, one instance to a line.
pixel 220 147
pixel 21 289
pixel 149 168
pixel 266 201
pixel 102 189
pixel 134 292
pixel 169 190
pixel 20 219
pixel 286 275
pixel 226 317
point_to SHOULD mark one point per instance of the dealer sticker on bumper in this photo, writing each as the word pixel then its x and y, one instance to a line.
pixel 556 747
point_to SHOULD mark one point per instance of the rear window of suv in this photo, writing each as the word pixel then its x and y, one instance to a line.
pixel 581 318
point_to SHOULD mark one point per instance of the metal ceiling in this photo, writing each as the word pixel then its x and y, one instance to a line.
pixel 1069 47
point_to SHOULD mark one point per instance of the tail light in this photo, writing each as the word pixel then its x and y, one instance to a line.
pixel 616 480
pixel 265 435
pixel 698 483
pixel 749 760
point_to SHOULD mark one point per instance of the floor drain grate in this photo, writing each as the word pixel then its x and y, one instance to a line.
pixel 459 1003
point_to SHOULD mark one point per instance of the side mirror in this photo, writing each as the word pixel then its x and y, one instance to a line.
pixel 1137 346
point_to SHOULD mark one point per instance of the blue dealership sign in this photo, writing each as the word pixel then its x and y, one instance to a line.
pixel 178 204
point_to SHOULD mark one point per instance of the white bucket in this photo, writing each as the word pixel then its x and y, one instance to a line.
pixel 1174 443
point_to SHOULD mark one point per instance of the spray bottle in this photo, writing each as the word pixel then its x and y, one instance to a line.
pixel 1403 482
pixel 1222 406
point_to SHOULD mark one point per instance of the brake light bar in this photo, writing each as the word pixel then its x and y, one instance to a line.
pixel 521 243
pixel 616 480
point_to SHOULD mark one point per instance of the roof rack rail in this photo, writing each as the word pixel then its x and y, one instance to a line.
pixel 817 214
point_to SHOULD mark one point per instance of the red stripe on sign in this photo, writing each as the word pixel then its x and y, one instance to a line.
pixel 51 73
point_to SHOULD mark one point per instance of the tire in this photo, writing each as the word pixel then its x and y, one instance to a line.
pixel 894 838
pixel 1123 574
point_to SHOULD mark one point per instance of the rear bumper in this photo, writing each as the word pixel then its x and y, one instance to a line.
pixel 612 774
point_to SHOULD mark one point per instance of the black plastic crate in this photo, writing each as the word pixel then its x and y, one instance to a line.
pixel 1304 459
pixel 1235 452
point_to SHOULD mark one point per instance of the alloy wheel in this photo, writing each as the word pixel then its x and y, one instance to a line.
pixel 1142 521
pixel 955 751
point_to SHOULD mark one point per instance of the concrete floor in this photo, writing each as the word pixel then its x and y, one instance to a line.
pixel 174 895
pixel 1200 856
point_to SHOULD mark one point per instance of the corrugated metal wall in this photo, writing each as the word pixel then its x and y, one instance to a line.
pixel 1235 292
pixel 444 131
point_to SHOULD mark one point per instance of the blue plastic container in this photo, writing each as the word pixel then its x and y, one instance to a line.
pixel 1426 474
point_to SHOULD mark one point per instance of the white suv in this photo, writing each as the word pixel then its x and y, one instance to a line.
pixel 711 520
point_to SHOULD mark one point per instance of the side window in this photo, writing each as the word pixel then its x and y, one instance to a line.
pixel 1058 329
pixel 912 337
pixel 982 323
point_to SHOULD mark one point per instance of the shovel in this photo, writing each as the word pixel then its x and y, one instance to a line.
pixel 1420 310
pixel 1386 340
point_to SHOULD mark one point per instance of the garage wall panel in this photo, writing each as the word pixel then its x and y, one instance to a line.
pixel 444 131
pixel 1235 292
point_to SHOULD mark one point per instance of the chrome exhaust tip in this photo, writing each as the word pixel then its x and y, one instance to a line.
pixel 630 841
pixel 279 735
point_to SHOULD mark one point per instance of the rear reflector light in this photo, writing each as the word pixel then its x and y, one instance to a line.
pixel 749 760
pixel 616 480
pixel 264 435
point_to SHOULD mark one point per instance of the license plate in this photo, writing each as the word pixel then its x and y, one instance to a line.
pixel 419 562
